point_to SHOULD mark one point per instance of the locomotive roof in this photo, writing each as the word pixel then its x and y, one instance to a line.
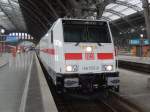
pixel 74 19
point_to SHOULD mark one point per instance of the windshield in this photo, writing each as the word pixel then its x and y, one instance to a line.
pixel 86 33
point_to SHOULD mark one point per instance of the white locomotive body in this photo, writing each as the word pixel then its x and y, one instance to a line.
pixel 80 54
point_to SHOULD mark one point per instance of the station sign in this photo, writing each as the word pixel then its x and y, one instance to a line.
pixel 146 42
pixel 139 42
pixel 11 39
pixel 134 42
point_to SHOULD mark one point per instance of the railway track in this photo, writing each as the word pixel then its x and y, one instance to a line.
pixel 134 66
pixel 69 104
pixel 66 103
pixel 111 103
pixel 120 104
pixel 102 103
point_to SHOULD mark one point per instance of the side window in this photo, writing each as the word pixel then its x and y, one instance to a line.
pixel 51 36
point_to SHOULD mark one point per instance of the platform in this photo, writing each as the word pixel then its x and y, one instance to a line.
pixel 39 97
pixel 12 80
pixel 23 87
pixel 143 60
pixel 4 59
pixel 135 88
pixel 141 64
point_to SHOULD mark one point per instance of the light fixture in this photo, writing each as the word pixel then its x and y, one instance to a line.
pixel 107 67
pixel 88 49
pixel 143 29
pixel 13 34
pixel 68 68
pixel 141 35
pixel 2 31
pixel 72 68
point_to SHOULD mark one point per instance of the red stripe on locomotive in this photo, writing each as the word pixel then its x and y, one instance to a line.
pixel 105 56
pixel 49 51
pixel 73 56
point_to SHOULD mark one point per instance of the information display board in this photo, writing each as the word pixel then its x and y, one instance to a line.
pixel 11 39
pixel 146 42
pixel 139 42
pixel 134 42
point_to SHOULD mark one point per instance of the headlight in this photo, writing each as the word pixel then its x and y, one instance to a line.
pixel 69 68
pixel 88 49
pixel 107 67
pixel 18 51
pixel 72 68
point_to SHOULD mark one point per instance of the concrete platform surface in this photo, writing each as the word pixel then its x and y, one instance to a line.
pixel 39 97
pixel 23 87
pixel 12 80
pixel 134 87
pixel 4 59
pixel 144 60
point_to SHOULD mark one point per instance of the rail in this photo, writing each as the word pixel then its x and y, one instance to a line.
pixel 141 67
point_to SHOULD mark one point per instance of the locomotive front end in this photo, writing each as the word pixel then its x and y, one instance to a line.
pixel 89 55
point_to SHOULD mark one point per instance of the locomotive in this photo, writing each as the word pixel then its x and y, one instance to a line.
pixel 79 53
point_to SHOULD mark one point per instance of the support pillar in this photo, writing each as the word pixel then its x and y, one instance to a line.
pixel 100 8
pixel 147 16
pixel 76 8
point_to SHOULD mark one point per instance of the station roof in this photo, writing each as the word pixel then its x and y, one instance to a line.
pixel 122 8
pixel 10 16
pixel 36 16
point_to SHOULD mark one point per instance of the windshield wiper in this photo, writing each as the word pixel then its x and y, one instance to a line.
pixel 99 44
pixel 77 43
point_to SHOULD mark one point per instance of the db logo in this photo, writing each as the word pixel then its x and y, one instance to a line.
pixel 89 56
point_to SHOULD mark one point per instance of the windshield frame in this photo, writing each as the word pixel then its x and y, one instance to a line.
pixel 87 26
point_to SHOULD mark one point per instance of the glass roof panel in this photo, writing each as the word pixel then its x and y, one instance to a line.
pixel 2 14
pixel 123 7
pixel 14 4
pixel 114 17
pixel 106 14
pixel 8 8
pixel 128 12
pixel 140 5
pixel 137 3
pixel 119 8
pixel 134 1
pixel 3 18
pixel 4 1
pixel 111 5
